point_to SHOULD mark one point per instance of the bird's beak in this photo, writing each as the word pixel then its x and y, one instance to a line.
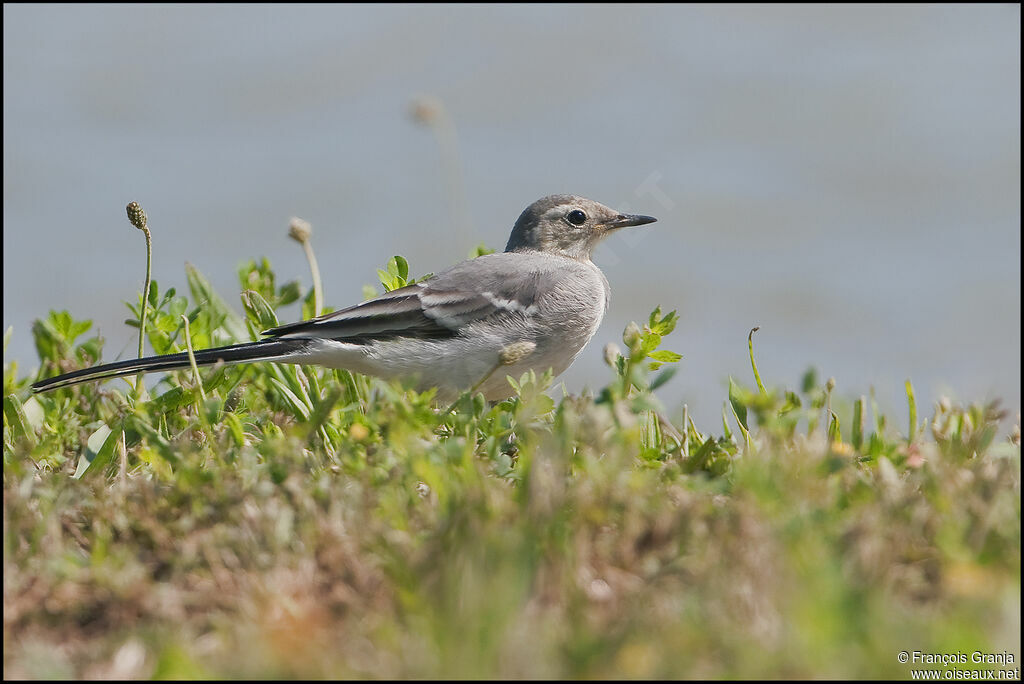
pixel 626 220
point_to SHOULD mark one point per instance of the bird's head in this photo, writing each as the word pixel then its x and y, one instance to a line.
pixel 567 225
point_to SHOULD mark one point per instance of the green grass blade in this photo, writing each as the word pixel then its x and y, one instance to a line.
pixel 912 406
pixel 753 364
pixel 857 428
pixel 99 451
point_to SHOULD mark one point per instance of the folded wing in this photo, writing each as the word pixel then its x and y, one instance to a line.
pixel 439 307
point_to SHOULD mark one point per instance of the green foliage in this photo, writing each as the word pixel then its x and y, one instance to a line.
pixel 55 338
pixel 259 277
pixel 164 322
pixel 396 274
pixel 99 451
pixel 304 522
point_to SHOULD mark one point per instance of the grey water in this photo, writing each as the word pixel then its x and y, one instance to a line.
pixel 845 177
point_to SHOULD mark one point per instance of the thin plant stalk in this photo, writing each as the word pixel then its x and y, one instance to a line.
pixel 145 291
pixel 301 232
pixel 757 376
pixel 137 217
pixel 685 451
pixel 912 404
pixel 318 290
pixel 431 111
pixel 192 359
pixel 509 356
pixel 123 469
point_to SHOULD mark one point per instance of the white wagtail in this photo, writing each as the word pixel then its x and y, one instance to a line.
pixel 533 306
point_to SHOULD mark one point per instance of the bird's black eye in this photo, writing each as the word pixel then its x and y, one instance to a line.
pixel 576 217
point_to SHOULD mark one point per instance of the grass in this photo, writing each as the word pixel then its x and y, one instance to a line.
pixel 284 521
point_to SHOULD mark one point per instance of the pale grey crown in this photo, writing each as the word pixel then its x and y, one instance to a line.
pixel 568 225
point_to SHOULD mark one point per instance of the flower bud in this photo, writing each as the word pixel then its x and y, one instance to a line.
pixel 631 335
pixel 516 352
pixel 136 215
pixel 612 354
pixel 426 109
pixel 299 230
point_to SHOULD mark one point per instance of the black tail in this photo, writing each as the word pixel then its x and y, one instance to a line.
pixel 264 350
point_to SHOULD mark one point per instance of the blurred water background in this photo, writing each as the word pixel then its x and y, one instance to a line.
pixel 845 177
